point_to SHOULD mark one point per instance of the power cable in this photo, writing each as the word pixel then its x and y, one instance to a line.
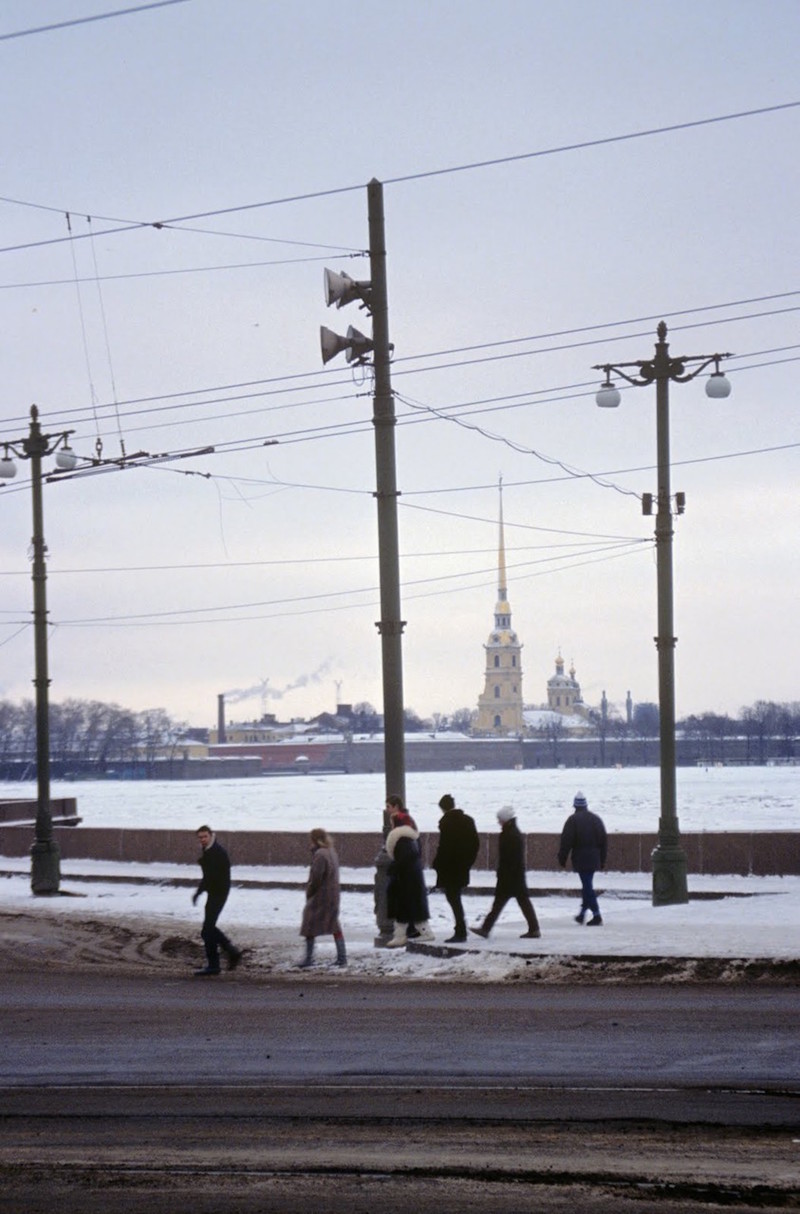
pixel 62 25
pixel 463 168
pixel 290 381
pixel 166 616
pixel 55 571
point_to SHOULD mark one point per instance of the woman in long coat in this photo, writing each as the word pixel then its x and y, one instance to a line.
pixel 321 911
pixel 511 881
pixel 407 898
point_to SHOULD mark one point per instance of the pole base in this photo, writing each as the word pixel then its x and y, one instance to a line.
pixel 45 868
pixel 669 876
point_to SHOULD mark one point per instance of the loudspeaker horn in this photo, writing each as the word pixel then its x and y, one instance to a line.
pixel 359 346
pixel 331 344
pixel 341 289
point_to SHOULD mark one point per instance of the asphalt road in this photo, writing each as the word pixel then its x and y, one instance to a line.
pixel 146 1092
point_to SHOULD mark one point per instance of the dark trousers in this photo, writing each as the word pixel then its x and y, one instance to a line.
pixel 213 938
pixel 588 896
pixel 525 905
pixel 453 895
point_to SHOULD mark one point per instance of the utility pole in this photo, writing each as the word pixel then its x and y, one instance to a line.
pixel 390 625
pixel 340 289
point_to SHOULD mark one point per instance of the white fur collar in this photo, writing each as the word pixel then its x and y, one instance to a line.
pixel 396 834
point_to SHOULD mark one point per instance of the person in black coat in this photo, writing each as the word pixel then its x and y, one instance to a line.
pixel 455 856
pixel 407 898
pixel 584 837
pixel 215 884
pixel 510 877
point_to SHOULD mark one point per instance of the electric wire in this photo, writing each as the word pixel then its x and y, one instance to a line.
pixel 582 145
pixel 191 615
pixel 62 25
pixel 520 448
pixel 319 374
pixel 102 309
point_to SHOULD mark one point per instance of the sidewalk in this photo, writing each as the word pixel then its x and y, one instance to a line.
pixel 732 929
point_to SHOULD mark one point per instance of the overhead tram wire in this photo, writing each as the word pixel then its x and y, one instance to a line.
pixel 582 145
pixel 202 566
pixel 61 25
pixel 317 374
pixel 241 265
pixel 608 551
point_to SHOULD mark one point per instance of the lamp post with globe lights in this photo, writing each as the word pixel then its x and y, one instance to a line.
pixel 45 856
pixel 669 859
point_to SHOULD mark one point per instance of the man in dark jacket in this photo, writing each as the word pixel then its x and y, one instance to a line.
pixel 455 856
pixel 215 884
pixel 584 836
pixel 511 881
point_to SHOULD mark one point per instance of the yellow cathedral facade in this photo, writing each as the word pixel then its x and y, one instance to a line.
pixel 500 705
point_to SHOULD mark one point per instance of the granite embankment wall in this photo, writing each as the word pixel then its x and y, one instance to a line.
pixel 757 853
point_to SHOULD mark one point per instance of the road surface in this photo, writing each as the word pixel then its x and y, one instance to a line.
pixel 167 1093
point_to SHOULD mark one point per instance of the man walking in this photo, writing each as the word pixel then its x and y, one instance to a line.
pixel 455 856
pixel 584 837
pixel 215 884
pixel 511 881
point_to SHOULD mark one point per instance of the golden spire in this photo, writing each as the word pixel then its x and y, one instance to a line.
pixel 502 591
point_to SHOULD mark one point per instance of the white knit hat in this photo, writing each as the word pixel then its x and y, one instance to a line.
pixel 506 813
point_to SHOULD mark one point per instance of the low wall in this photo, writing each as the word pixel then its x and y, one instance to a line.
pixel 756 853
pixel 25 810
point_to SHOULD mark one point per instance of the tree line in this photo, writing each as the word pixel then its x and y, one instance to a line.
pixel 92 735
pixel 86 734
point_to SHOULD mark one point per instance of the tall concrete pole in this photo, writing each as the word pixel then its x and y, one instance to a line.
pixel 390 626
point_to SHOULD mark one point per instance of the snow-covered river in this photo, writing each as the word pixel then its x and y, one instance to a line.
pixel 715 798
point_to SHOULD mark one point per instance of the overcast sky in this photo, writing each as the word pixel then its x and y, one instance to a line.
pixel 255 126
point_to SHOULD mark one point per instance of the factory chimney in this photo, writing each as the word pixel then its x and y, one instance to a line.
pixel 221 718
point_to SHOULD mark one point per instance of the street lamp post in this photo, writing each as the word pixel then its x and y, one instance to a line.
pixel 669 858
pixel 45 855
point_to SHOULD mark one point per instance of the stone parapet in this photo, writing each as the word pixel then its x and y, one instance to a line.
pixel 744 853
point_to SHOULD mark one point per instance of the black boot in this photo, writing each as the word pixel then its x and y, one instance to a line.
pixel 308 960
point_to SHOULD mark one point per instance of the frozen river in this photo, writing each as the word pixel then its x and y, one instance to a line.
pixel 715 798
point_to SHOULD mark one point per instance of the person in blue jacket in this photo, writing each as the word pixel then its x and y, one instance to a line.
pixel 584 838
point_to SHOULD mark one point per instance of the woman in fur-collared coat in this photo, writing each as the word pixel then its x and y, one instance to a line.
pixel 407 898
pixel 321 911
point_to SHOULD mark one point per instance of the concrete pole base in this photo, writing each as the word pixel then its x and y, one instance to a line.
pixel 45 868
pixel 669 876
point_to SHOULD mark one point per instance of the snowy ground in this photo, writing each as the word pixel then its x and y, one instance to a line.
pixel 748 921
pixel 138 915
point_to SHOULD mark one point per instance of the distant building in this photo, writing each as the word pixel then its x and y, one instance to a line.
pixel 564 692
pixel 500 704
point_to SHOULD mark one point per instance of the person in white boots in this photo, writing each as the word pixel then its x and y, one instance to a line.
pixel 407 897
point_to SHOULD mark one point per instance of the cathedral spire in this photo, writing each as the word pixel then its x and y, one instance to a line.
pixel 500 704
pixel 502 581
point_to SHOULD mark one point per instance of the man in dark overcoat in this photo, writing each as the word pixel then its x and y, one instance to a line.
pixel 584 838
pixel 455 856
pixel 215 884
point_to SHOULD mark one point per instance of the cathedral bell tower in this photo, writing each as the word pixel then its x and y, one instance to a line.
pixel 500 705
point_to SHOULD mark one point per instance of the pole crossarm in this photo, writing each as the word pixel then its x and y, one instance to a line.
pixel 651 369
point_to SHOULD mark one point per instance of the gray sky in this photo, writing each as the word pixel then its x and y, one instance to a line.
pixel 260 562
